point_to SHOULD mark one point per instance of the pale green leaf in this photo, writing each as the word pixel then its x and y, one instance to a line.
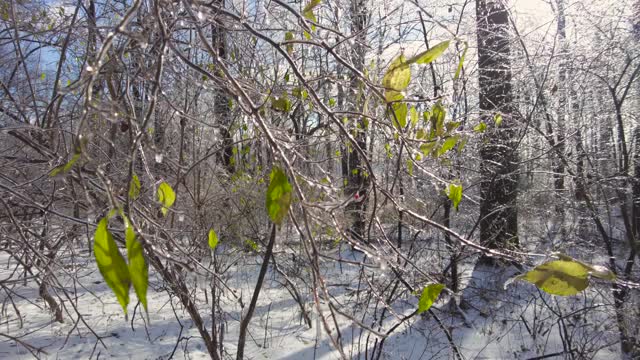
pixel 497 118
pixel 396 79
pixel 454 192
pixel 461 63
pixel 213 239
pixel 278 196
pixel 134 187
pixel 429 295
pixel 111 264
pixel 399 115
pixel 138 267
pixel 430 55
pixel 449 143
pixel 559 277
pixel 166 196
pixel 480 127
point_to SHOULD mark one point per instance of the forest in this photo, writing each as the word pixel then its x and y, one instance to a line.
pixel 320 179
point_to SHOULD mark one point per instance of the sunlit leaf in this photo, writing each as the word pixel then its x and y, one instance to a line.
pixel 166 196
pixel 429 295
pixel 66 167
pixel 480 127
pixel 307 12
pixel 430 55
pixel 281 104
pixel 448 144
pixel 138 267
pixel 288 37
pixel 399 116
pixel 497 118
pixel 111 264
pixel 454 192
pixel 397 78
pixel 559 277
pixel 134 187
pixel 461 63
pixel 213 239
pixel 278 196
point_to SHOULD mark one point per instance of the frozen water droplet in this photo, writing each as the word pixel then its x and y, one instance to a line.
pixel 89 68
pixel 159 158
pixel 200 15
pixel 181 218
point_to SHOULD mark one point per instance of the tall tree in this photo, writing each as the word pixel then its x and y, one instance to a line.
pixel 498 211
pixel 352 163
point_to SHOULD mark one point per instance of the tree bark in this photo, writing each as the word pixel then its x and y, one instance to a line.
pixel 499 167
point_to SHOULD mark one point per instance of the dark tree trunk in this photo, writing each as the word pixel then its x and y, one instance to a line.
pixel 499 167
pixel 222 107
pixel 353 170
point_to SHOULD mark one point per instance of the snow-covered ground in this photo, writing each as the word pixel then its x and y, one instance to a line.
pixel 491 323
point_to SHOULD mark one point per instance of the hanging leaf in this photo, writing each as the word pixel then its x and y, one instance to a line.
pixel 281 104
pixel 480 127
pixel 559 277
pixel 414 116
pixel 138 267
pixel 399 116
pixel 410 167
pixel 430 55
pixel 288 37
pixel 111 264
pixel 278 196
pixel 461 63
pixel 396 79
pixel 449 143
pixel 134 187
pixel 213 239
pixel 66 167
pixel 166 196
pixel 429 295
pixel 438 114
pixel 454 192
pixel 497 118
pixel 307 12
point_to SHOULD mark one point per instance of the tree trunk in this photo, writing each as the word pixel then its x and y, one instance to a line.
pixel 499 167
pixel 352 169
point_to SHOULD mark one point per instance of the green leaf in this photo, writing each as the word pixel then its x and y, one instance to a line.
pixel 307 12
pixel 449 143
pixel 559 277
pixel 278 196
pixel 396 79
pixel 213 239
pixel 454 192
pixel 399 116
pixel 414 116
pixel 410 167
pixel 461 63
pixel 497 118
pixel 438 113
pixel 138 267
pixel 111 264
pixel 480 127
pixel 166 196
pixel 429 295
pixel 66 167
pixel 430 55
pixel 43 76
pixel 288 37
pixel 281 104
pixel 134 187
